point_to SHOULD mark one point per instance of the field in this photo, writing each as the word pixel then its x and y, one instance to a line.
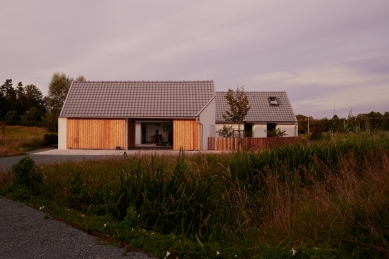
pixel 17 140
pixel 326 199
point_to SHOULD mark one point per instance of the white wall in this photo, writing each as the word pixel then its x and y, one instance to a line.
pixel 290 129
pixel 207 118
pixel 138 133
pixel 260 130
pixel 234 126
pixel 62 125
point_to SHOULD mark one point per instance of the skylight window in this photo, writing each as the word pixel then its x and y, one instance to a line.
pixel 273 101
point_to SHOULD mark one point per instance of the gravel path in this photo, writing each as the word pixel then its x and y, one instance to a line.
pixel 24 233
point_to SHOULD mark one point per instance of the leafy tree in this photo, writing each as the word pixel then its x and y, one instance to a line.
pixel 239 107
pixel 385 121
pixel 12 118
pixel 32 117
pixel 58 89
pixel 276 133
pixel 226 132
pixel 34 98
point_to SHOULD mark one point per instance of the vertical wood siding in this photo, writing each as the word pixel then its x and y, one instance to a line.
pixel 96 133
pixel 186 135
pixel 226 144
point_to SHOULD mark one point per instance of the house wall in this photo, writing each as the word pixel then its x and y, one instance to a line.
pixel 138 133
pixel 291 129
pixel 260 130
pixel 186 135
pixel 207 118
pixel 234 126
pixel 96 133
pixel 62 122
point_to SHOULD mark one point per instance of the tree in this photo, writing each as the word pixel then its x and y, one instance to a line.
pixel 12 118
pixel 58 89
pixel 32 117
pixel 8 96
pixel 226 132
pixel 239 107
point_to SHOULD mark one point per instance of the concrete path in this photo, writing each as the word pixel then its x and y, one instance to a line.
pixel 53 156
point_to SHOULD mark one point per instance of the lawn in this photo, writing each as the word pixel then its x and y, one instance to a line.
pixel 17 140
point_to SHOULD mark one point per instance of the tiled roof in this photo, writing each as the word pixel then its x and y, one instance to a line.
pixel 260 108
pixel 139 99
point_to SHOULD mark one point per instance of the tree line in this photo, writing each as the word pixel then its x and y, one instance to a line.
pixel 27 106
pixel 366 122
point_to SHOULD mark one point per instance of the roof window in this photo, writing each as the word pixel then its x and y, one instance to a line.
pixel 273 101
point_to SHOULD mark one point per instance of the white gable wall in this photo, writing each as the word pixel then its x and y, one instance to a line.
pixel 62 129
pixel 207 118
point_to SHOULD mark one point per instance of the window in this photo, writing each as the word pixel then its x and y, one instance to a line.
pixel 273 101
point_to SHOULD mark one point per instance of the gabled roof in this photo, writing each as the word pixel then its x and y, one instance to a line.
pixel 261 109
pixel 137 99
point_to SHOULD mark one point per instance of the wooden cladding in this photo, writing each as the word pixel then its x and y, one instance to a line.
pixel 186 135
pixel 96 133
pixel 229 144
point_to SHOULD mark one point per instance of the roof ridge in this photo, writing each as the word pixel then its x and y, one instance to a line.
pixel 147 81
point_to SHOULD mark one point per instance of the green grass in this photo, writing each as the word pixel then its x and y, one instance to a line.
pixel 326 199
pixel 18 140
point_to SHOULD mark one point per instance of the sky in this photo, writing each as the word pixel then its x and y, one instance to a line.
pixel 330 56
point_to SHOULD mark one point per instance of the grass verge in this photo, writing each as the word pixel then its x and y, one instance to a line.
pixel 18 140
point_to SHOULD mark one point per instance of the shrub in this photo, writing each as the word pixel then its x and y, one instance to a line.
pixel 27 180
pixel 317 133
pixel 50 139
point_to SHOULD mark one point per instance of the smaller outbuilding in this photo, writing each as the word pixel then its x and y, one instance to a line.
pixel 268 111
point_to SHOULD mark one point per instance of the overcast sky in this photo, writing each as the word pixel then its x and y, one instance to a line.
pixel 326 54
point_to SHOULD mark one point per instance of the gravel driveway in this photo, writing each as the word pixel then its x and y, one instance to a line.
pixel 24 233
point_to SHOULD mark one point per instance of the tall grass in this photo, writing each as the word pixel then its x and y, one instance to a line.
pixel 329 197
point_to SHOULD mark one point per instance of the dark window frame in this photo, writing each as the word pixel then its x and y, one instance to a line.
pixel 273 101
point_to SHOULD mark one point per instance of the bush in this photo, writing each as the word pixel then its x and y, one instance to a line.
pixel 317 133
pixel 28 180
pixel 50 139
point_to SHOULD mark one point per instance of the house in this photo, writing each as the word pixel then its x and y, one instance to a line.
pixel 109 115
pixel 268 110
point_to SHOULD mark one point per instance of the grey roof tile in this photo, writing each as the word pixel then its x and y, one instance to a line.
pixel 137 99
pixel 260 108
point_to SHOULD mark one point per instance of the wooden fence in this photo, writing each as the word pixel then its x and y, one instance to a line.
pixel 229 144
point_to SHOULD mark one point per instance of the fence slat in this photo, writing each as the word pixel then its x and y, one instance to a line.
pixel 226 144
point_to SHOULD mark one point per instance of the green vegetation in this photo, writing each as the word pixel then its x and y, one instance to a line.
pixel 371 122
pixel 327 199
pixel 26 106
pixel 17 140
